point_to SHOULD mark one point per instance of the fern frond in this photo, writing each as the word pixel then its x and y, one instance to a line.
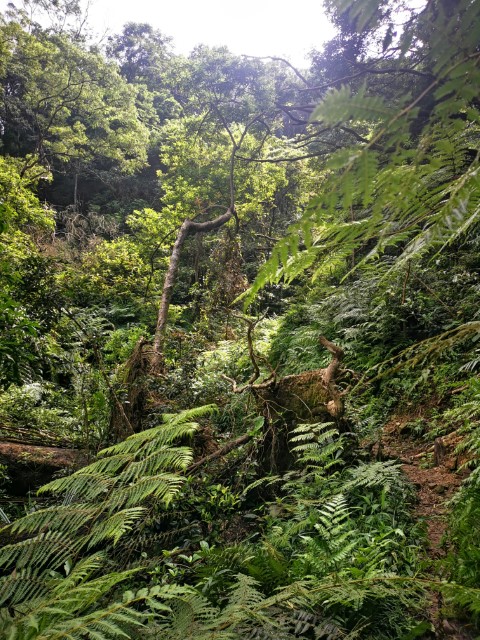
pixel 163 486
pixel 20 585
pixel 466 597
pixel 341 105
pixel 188 415
pixel 115 526
pixel 164 457
pixel 162 435
pixel 66 518
pixel 83 570
pixel 51 548
pixel 105 502
pixel 320 446
pixel 374 474
pixel 82 484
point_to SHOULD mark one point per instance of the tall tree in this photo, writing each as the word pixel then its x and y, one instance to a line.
pixel 64 106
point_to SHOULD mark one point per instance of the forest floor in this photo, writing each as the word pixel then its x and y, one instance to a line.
pixel 432 470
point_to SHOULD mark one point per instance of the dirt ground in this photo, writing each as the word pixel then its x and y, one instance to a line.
pixel 432 468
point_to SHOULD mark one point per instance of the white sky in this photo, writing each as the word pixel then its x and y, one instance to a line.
pixel 253 27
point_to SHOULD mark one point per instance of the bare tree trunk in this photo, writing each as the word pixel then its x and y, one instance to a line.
pixel 188 228
pixel 168 285
pixel 75 192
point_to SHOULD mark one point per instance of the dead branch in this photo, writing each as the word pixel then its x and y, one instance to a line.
pixel 285 158
pixel 365 70
pixel 289 64
pixel 328 375
pixel 230 446
pixel 270 381
pixel 254 360
pixel 338 353
pixel 335 406
pixel 269 238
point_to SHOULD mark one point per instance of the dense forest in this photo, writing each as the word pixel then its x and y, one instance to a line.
pixel 240 322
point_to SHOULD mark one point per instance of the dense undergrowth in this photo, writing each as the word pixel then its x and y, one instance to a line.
pixel 210 508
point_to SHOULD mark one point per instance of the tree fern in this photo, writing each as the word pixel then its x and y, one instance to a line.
pixel 423 194
pixel 51 573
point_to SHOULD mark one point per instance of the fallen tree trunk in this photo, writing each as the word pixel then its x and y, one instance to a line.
pixel 30 466
pixel 303 398
pixel 309 395
pixel 31 435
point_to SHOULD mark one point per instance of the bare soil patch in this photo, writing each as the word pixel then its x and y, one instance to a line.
pixel 432 469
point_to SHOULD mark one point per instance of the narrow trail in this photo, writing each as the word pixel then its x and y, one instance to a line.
pixel 432 469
